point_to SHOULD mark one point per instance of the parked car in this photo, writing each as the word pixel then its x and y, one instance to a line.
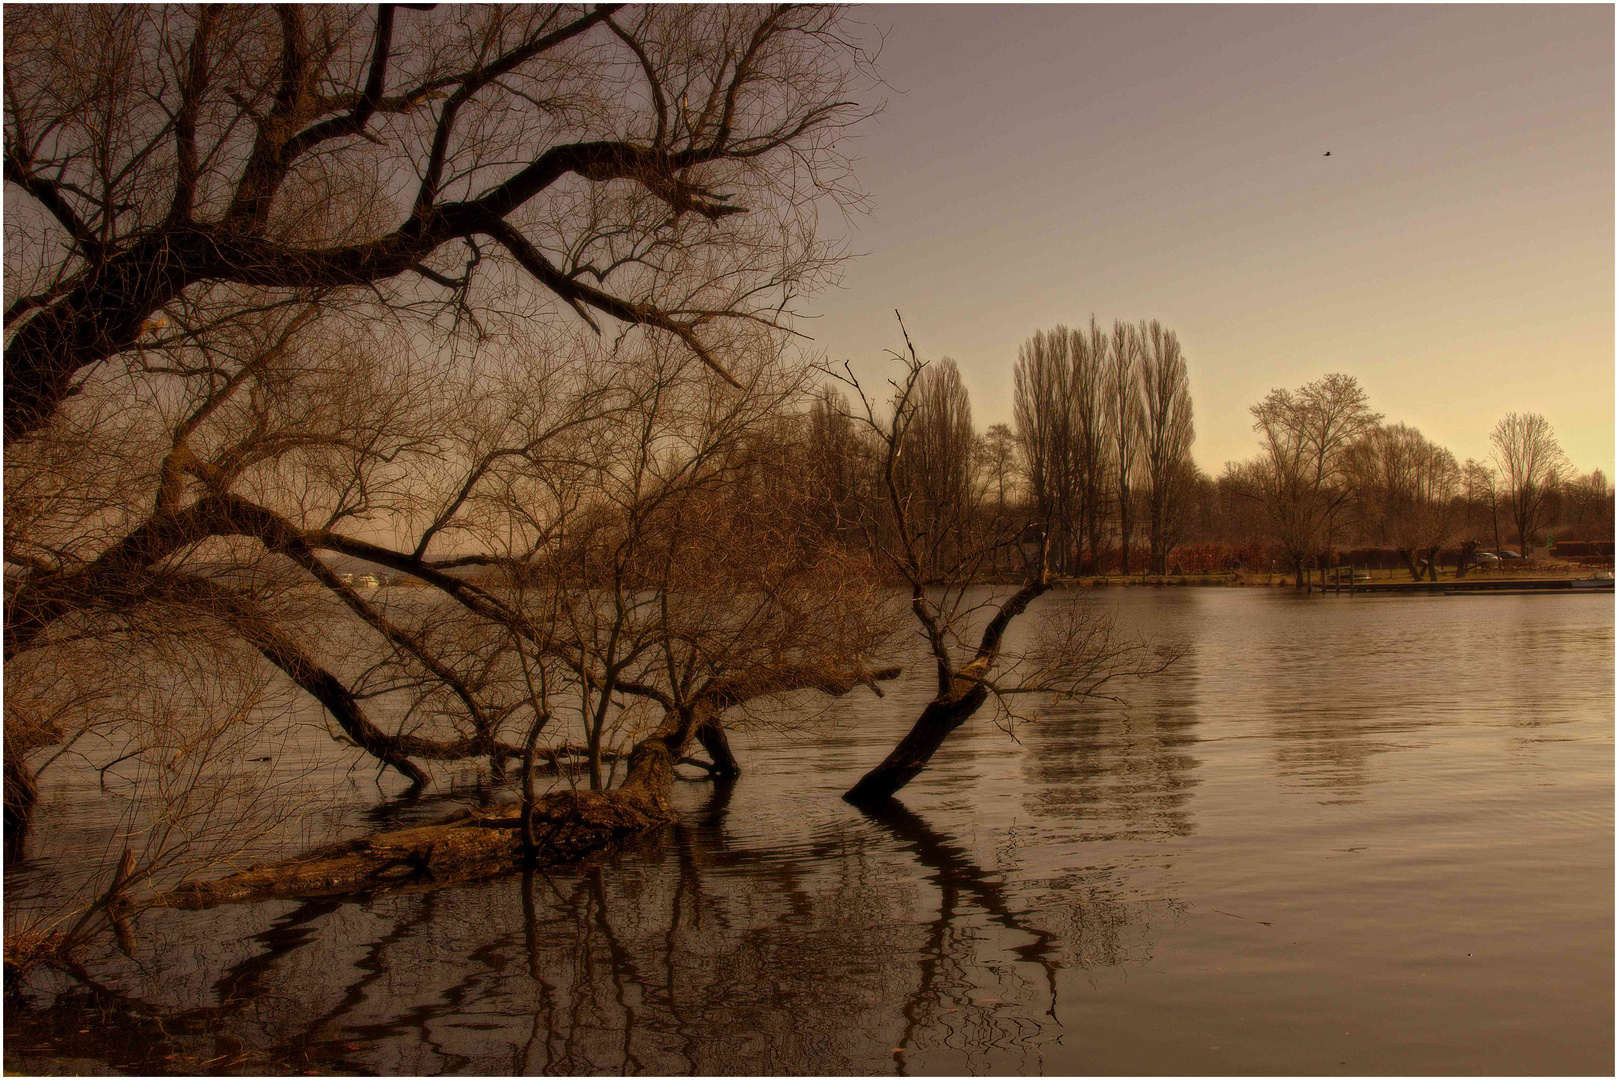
pixel 1484 558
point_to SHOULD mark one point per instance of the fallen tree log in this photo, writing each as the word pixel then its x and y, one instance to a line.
pixel 473 843
pixel 566 825
pixel 465 846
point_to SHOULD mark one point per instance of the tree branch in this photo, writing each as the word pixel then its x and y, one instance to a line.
pixel 48 193
pixel 353 123
pixel 576 292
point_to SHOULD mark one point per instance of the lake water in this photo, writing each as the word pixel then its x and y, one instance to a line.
pixel 1348 836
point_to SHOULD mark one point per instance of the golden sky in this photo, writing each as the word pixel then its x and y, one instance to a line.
pixel 1036 164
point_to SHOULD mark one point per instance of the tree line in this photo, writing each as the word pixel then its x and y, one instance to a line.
pixel 1331 473
pixel 1099 454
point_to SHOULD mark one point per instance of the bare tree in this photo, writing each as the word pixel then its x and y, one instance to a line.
pixel 696 562
pixel 1409 487
pixel 164 715
pixel 634 547
pixel 1482 495
pixel 838 464
pixel 1061 423
pixel 654 166
pixel 935 474
pixel 1531 464
pixel 1074 655
pixel 140 135
pixel 1167 432
pixel 284 291
pixel 1586 506
pixel 1087 386
pixel 1045 431
pixel 997 452
pixel 1000 461
pixel 1125 420
pixel 1301 475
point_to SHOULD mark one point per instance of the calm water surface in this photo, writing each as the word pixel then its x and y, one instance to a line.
pixel 1369 835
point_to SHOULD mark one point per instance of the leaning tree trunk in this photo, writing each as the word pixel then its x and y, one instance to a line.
pixel 942 715
pixel 723 762
pixel 968 690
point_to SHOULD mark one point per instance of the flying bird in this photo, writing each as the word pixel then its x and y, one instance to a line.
pixel 1326 154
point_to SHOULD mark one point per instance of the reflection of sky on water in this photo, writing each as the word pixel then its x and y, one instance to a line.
pixel 1341 835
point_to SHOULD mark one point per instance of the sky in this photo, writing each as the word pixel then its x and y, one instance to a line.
pixel 1040 164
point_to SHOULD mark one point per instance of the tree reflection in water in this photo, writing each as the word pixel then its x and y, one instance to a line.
pixel 949 1007
pixel 879 945
pixel 1108 772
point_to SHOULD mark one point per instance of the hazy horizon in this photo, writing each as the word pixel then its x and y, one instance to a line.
pixel 1036 164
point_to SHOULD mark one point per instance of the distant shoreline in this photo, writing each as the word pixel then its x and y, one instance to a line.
pixel 1279 580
